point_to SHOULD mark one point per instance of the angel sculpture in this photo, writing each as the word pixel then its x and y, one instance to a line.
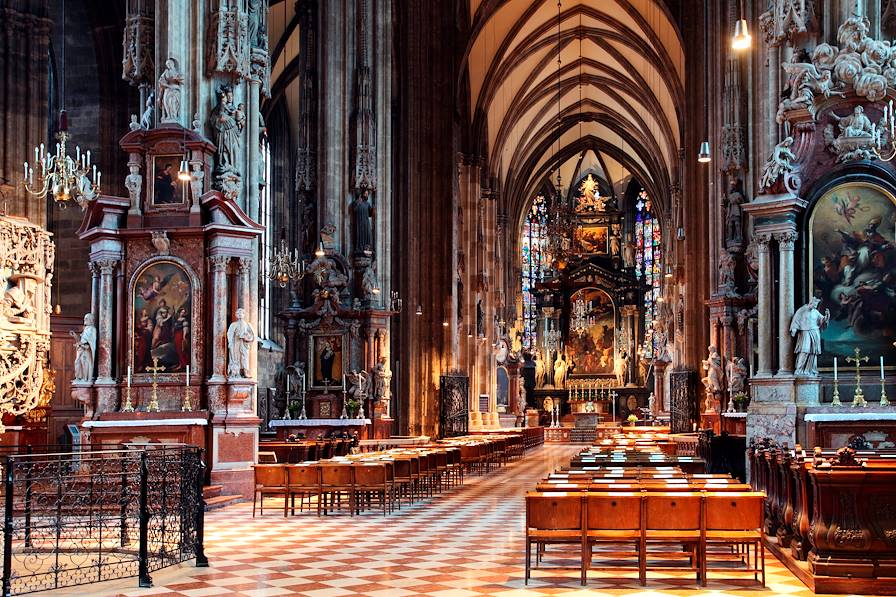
pixel 360 384
pixel 778 164
pixel 806 81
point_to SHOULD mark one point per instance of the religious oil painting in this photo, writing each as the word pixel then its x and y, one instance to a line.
pixel 327 364
pixel 592 351
pixel 853 271
pixel 161 318
pixel 592 239
pixel 167 190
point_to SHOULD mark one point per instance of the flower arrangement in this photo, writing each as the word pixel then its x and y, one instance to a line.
pixel 632 419
pixel 740 401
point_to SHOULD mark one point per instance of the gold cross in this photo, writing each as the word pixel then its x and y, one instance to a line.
pixel 858 397
pixel 155 370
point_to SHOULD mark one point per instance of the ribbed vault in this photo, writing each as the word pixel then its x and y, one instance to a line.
pixel 616 96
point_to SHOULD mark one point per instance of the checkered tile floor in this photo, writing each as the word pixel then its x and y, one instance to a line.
pixel 467 541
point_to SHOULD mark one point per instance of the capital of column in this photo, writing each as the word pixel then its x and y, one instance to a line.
pixel 762 241
pixel 106 266
pixel 244 264
pixel 218 263
pixel 786 240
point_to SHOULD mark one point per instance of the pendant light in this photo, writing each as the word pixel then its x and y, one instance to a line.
pixel 704 156
pixel 742 39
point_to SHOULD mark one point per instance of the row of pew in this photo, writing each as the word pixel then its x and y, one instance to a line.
pixel 631 504
pixel 835 509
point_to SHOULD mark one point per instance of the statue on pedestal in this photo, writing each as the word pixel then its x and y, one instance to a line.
pixel 227 120
pixel 737 376
pixel 362 212
pixel 779 164
pixel 620 367
pixel 560 368
pixel 85 349
pixel 171 84
pixel 539 370
pixel 806 325
pixel 713 379
pixel 240 337
pixel 734 213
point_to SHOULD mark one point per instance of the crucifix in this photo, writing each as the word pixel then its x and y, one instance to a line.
pixel 154 401
pixel 858 397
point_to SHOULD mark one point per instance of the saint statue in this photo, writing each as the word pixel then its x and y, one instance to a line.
pixel 227 123
pixel 257 24
pixel 362 212
pixel 620 367
pixel 369 284
pixel 85 349
pixel 539 370
pixel 734 213
pixel 171 84
pixel 382 380
pixel 855 125
pixel 628 252
pixel 240 337
pixel 806 325
pixel 737 376
pixel 560 368
pixel 714 374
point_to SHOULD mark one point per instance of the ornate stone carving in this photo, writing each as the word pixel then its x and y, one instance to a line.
pixel 734 214
pixel 806 82
pixel 257 24
pixel 240 337
pixel 726 273
pixel 806 325
pixel 160 242
pixel 737 375
pixel 137 65
pixel 85 350
pixel 370 286
pixel 146 119
pixel 228 39
pixel 171 83
pixel 226 121
pixel 778 173
pixel 133 182
pixel 857 136
pixel 787 19
pixel 786 240
pixel 218 263
pixel 560 369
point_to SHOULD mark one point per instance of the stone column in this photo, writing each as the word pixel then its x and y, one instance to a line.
pixel 786 242
pixel 764 299
pixel 218 265
pixel 94 289
pixel 105 321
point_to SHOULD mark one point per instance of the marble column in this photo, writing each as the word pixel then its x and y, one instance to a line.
pixel 105 322
pixel 218 265
pixel 786 242
pixel 765 306
pixel 94 289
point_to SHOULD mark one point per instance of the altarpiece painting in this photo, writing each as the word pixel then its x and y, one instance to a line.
pixel 161 318
pixel 852 270
pixel 593 350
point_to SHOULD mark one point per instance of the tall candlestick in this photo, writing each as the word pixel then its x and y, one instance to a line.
pixel 835 368
pixel 188 376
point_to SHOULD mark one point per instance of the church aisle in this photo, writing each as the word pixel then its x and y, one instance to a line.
pixel 468 541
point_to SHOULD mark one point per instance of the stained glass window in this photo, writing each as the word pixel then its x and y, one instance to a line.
pixel 648 262
pixel 536 257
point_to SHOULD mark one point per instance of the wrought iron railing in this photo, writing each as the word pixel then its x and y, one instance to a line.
pixel 72 518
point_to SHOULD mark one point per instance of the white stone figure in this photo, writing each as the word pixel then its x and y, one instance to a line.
pixel 160 242
pixel 736 371
pixel 521 399
pixel 620 367
pixel 382 380
pixel 661 340
pixel 651 404
pixel 714 374
pixel 133 182
pixel 628 252
pixel 135 123
pixel 85 349
pixel 539 370
pixel 806 325
pixel 171 83
pixel 240 337
pixel 146 120
pixel 501 352
pixel 857 139
pixel 778 164
pixel 560 369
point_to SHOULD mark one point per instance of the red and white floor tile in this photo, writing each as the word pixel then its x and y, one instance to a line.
pixel 468 541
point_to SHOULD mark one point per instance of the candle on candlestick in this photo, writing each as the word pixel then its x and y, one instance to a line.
pixel 344 384
pixel 881 367
pixel 835 368
pixel 287 384
pixel 188 376
pixel 129 376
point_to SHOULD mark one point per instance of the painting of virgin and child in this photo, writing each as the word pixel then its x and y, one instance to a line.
pixel 161 318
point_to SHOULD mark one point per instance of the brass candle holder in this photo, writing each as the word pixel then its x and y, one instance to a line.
pixel 128 406
pixel 858 397
pixel 836 401
pixel 187 406
pixel 883 394
pixel 153 406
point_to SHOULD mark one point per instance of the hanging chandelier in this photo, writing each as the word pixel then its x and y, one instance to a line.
pixel 285 265
pixel 60 175
pixel 581 318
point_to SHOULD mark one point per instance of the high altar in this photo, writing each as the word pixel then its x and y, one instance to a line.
pixel 170 265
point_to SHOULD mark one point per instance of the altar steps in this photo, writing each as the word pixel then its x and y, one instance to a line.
pixel 214 500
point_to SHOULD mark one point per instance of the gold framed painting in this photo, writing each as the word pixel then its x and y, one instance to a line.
pixel 593 238
pixel 167 190
pixel 326 354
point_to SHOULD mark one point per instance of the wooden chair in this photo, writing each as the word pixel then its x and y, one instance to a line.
pixel 373 478
pixel 267 457
pixel 455 467
pixel 337 480
pixel 735 519
pixel 614 518
pixel 672 519
pixel 303 480
pixel 552 518
pixel 270 479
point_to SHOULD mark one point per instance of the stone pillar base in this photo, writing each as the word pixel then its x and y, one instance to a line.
pixel 86 395
pixel 234 446
pixel 776 420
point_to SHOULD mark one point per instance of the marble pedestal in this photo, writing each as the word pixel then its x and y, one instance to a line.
pixel 234 441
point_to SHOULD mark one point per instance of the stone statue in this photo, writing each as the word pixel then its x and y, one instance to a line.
pixel 734 214
pixel 806 325
pixel 661 340
pixel 85 349
pixel 726 273
pixel 257 24
pixel 737 376
pixel 171 83
pixel 714 374
pixel 651 403
pixel 133 182
pixel 620 367
pixel 521 400
pixel 160 242
pixel 382 379
pixel 560 369
pixel 539 370
pixel 480 319
pixel 328 237
pixel 628 252
pixel 502 351
pixel 370 286
pixel 134 125
pixel 240 337
pixel 857 139
pixel 855 125
pixel 146 120
pixel 227 123
pixel 362 212
pixel 360 384
pixel 778 164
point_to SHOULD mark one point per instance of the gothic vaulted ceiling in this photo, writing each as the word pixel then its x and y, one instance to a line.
pixel 613 103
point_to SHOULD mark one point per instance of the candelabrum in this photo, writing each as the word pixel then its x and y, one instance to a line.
pixel 286 265
pixel 187 406
pixel 303 415
pixel 884 136
pixel 344 414
pixel 128 405
pixel 836 401
pixel 858 397
pixel 153 406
